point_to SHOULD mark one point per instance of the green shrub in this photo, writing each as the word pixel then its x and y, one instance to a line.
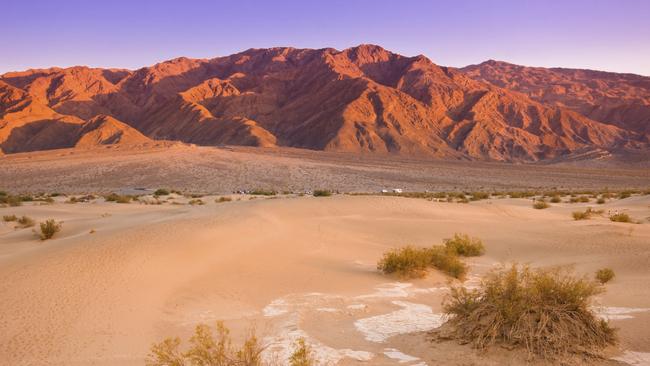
pixel 322 193
pixel 9 218
pixel 406 262
pixel 223 199
pixel 161 192
pixel 206 350
pixel 464 246
pixel 540 205
pixel 556 199
pixel 49 228
pixel 547 312
pixel 605 275
pixel 302 355
pixel 621 217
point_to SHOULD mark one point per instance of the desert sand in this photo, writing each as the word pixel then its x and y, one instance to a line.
pixel 290 267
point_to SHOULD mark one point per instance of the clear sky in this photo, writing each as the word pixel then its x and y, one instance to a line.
pixel 611 35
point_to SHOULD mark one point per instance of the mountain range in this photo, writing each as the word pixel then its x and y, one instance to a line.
pixel 361 99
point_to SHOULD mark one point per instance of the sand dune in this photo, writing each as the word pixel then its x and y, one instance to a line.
pixel 292 267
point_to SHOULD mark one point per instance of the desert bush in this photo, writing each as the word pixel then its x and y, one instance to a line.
pixel 605 275
pixel 464 246
pixel 447 261
pixel 72 200
pixel 117 198
pixel 406 262
pixel 25 222
pixel 555 199
pixel 302 355
pixel 463 199
pixel 49 228
pixel 322 193
pixel 477 196
pixel 540 205
pixel 263 192
pixel 206 350
pixel 9 218
pixel 161 192
pixel 600 201
pixel 579 215
pixel 586 214
pixel 195 202
pixel 545 311
pixel 12 201
pixel 223 199
pixel 620 217
pixel 583 199
pixel 624 194
pixel 412 262
pixel 26 198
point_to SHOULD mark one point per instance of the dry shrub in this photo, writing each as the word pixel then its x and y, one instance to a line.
pixel 600 201
pixel 322 193
pixel 605 275
pixel 49 228
pixel 223 199
pixel 587 214
pixel 263 192
pixel 555 199
pixel 161 192
pixel 465 246
pixel 205 349
pixel 621 217
pixel 302 355
pixel 196 202
pixel 545 311
pixel 447 261
pixel 406 262
pixel 413 262
pixel 25 222
pixel 114 197
pixel 9 218
pixel 540 205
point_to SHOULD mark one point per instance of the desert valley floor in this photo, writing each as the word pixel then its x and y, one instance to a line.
pixel 120 277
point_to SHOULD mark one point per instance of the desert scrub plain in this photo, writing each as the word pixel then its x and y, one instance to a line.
pixel 134 272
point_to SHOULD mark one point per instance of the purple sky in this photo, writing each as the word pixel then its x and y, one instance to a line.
pixel 609 35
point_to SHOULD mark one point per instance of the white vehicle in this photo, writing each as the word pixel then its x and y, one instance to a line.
pixel 397 190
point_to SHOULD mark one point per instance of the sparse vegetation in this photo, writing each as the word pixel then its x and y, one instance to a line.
pixel 322 193
pixel 302 355
pixel 600 201
pixel 9 218
pixel 586 214
pixel 621 217
pixel 555 199
pixel 161 192
pixel 624 194
pixel 196 202
pixel 540 205
pixel 413 262
pixel 263 192
pixel 406 262
pixel 25 222
pixel 49 228
pixel 605 275
pixel 545 311
pixel 206 350
pixel 223 199
pixel 117 198
pixel 464 246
